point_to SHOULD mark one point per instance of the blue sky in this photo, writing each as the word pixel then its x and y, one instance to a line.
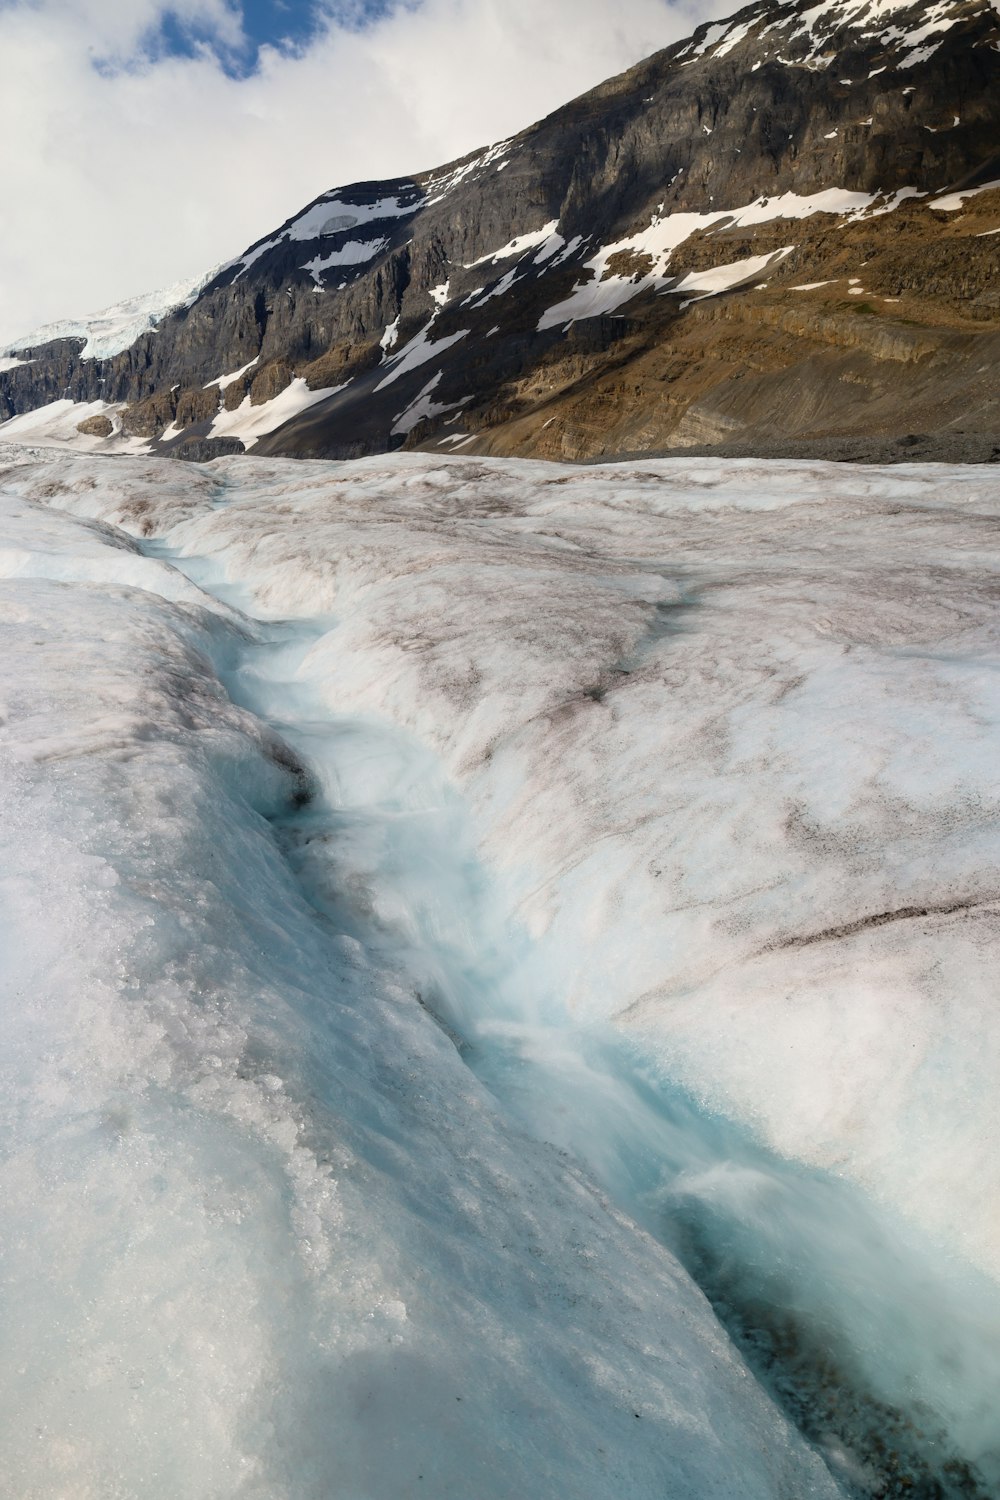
pixel 286 24
pixel 291 26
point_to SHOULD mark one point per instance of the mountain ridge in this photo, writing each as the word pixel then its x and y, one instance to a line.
pixel 671 260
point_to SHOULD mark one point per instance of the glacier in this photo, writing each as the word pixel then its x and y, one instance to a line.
pixel 114 329
pixel 499 984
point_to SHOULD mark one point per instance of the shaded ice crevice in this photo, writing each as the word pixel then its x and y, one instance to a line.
pixel 873 1341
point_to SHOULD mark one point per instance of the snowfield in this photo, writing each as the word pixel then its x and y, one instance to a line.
pixel 452 908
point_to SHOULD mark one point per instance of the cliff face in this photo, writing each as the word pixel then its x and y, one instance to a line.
pixel 778 231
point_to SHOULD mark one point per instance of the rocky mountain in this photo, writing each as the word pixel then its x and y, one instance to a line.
pixel 779 236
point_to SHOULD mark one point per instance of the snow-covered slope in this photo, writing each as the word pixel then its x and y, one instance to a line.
pixel 669 792
pixel 906 32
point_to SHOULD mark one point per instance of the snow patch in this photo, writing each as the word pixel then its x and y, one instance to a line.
pixel 330 215
pixel 55 426
pixel 718 279
pixel 249 423
pixel 537 239
pixel 554 245
pixel 951 202
pixel 354 253
pixel 813 32
pixel 499 288
pixel 224 381
pixel 423 406
pixel 735 35
pixel 388 340
pixel 417 352
pixel 607 291
pixel 445 182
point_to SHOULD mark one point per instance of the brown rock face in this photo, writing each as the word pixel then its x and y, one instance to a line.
pixel 681 216
pixel 270 381
pixel 235 394
pixel 148 418
pixel 196 405
pixel 871 330
pixel 98 426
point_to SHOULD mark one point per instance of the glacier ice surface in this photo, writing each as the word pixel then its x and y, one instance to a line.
pixel 668 791
pixel 265 1233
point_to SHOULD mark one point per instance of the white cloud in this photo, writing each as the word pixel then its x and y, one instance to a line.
pixel 117 179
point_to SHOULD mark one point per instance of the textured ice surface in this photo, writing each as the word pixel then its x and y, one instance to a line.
pixel 265 1234
pixel 729 733
pixel 725 736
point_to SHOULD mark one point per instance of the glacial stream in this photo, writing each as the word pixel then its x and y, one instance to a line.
pixel 884 1350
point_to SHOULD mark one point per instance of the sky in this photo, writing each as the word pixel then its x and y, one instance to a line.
pixel 144 142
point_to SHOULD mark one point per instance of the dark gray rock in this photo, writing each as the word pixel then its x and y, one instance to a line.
pixel 203 450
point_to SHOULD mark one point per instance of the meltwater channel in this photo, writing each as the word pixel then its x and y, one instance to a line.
pixel 883 1349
